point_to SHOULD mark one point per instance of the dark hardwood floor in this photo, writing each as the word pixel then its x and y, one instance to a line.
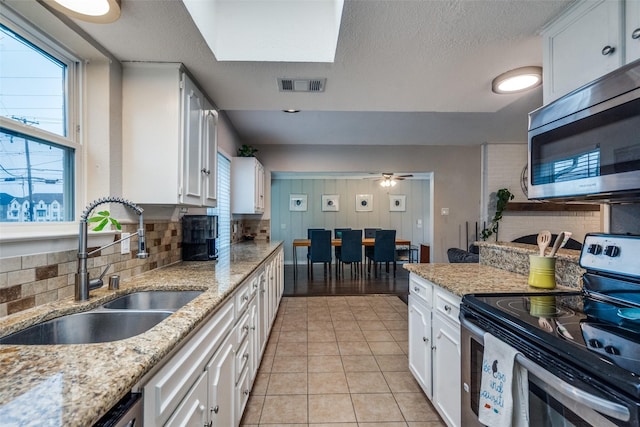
pixel 346 284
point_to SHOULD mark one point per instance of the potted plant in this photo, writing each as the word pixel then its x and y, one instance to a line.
pixel 503 196
pixel 247 151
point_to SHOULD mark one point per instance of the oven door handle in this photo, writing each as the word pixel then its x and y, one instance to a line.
pixel 603 406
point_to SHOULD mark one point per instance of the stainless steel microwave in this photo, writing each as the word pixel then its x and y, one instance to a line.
pixel 586 145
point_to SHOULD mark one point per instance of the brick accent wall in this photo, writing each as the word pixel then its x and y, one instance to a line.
pixel 32 280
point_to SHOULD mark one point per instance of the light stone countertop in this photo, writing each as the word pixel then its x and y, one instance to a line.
pixel 461 278
pixel 74 385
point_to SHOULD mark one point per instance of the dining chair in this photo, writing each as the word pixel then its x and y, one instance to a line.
pixel 369 233
pixel 351 251
pixel 337 234
pixel 309 231
pixel 320 250
pixel 384 250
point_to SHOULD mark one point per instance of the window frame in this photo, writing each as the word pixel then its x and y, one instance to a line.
pixel 73 117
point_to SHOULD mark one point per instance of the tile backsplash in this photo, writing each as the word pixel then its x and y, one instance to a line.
pixel 32 280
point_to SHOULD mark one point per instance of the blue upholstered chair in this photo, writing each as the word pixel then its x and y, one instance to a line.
pixel 309 231
pixel 337 234
pixel 351 250
pixel 369 233
pixel 384 250
pixel 320 250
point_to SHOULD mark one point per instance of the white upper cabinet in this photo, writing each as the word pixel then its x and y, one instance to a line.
pixel 581 45
pixel 247 186
pixel 632 30
pixel 169 137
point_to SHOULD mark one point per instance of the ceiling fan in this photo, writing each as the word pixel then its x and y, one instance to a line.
pixel 389 179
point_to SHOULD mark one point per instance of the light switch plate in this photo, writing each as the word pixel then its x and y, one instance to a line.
pixel 125 245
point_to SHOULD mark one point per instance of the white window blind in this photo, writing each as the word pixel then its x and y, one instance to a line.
pixel 223 210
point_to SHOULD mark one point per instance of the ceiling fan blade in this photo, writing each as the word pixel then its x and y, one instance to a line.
pixel 404 176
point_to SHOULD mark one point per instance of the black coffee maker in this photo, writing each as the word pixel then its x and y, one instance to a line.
pixel 199 234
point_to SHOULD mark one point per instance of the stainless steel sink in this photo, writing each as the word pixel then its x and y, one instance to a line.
pixel 153 300
pixel 88 327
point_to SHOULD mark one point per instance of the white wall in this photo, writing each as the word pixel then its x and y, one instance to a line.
pixel 456 177
pixel 502 169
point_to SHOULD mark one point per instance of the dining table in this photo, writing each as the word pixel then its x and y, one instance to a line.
pixel 366 241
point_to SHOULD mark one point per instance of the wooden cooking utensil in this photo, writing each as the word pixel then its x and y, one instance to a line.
pixel 561 240
pixel 544 238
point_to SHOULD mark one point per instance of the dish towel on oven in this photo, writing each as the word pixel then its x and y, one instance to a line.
pixel 504 386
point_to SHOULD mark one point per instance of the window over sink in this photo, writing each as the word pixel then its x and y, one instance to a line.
pixel 38 118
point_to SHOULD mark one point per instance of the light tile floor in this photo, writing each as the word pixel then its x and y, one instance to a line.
pixel 338 361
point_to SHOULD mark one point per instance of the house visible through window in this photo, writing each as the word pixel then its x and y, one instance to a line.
pixel 37 148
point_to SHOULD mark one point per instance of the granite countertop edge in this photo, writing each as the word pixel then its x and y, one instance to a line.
pixel 74 385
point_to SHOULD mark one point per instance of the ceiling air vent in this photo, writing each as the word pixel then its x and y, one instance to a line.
pixel 301 85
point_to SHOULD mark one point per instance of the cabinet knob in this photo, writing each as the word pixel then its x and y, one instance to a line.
pixel 417 289
pixel 205 171
pixel 209 424
pixel 246 392
pixel 215 409
pixel 425 339
pixel 636 34
pixel 245 356
pixel 245 298
pixel 447 308
pixel 608 50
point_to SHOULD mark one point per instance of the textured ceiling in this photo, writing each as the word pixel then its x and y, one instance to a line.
pixel 406 72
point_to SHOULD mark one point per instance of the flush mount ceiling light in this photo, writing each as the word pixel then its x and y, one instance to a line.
pixel 269 30
pixel 517 80
pixel 96 11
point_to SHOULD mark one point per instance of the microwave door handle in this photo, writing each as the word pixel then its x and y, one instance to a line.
pixel 606 407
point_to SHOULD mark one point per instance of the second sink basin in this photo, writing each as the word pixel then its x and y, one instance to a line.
pixel 153 300
pixel 88 327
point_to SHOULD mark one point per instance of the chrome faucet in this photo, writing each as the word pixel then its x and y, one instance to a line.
pixel 83 283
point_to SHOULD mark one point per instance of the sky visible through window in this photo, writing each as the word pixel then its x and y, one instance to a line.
pixel 32 92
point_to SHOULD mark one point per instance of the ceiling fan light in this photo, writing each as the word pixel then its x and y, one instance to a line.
pixel 96 11
pixel 517 80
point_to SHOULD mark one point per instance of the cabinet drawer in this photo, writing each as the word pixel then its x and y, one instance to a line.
pixel 421 289
pixel 242 328
pixel 447 305
pixel 242 357
pixel 242 298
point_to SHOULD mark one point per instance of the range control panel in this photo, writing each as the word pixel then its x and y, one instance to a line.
pixel 611 253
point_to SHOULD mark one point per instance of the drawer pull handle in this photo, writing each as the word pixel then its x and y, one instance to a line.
pixel 245 298
pixel 608 50
pixel 447 308
pixel 205 171
pixel 246 392
pixel 253 328
pixel 215 409
pixel 246 328
pixel 210 424
pixel 425 339
pixel 636 34
pixel 245 356
pixel 417 289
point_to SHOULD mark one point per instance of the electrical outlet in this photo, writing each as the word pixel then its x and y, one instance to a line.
pixel 444 211
pixel 125 245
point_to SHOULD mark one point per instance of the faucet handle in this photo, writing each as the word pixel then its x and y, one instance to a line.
pixel 98 283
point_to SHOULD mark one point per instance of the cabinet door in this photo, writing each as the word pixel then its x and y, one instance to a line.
pixel 192 411
pixel 446 369
pixel 221 378
pixel 192 184
pixel 263 312
pixel 254 347
pixel 574 50
pixel 420 343
pixel 210 157
pixel 632 30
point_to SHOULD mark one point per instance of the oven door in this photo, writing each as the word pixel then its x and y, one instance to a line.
pixel 552 401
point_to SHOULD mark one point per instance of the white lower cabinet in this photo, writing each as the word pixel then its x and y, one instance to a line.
pixel 420 343
pixel 434 346
pixel 207 382
pixel 446 369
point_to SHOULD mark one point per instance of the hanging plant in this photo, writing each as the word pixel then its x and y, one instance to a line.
pixel 103 218
pixel 502 198
pixel 247 151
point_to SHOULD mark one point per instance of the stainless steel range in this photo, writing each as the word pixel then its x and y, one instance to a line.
pixel 581 349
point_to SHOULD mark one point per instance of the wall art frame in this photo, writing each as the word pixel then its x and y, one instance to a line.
pixel 330 202
pixel 364 202
pixel 298 202
pixel 397 202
